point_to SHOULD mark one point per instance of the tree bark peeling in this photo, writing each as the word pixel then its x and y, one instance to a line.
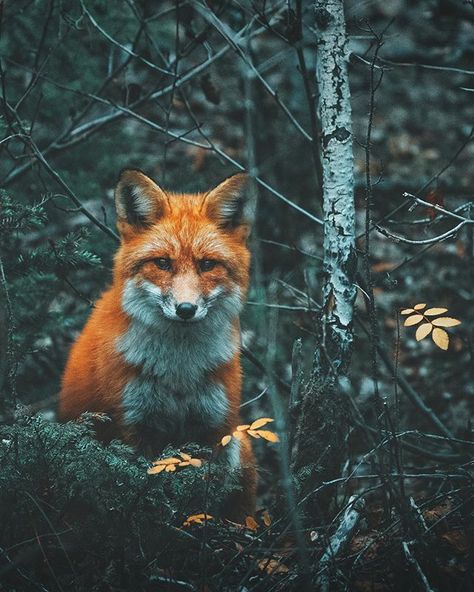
pixel 338 183
pixel 320 435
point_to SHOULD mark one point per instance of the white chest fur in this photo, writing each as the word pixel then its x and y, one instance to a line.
pixel 173 392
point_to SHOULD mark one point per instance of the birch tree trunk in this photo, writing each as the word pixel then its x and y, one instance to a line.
pixel 338 185
pixel 320 432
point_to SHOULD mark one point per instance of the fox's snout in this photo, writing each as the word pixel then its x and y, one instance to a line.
pixel 176 304
pixel 186 297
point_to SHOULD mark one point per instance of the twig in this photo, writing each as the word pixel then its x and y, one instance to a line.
pixel 258 364
pixel 438 208
pixel 76 201
pixel 121 46
pixel 82 132
pixel 427 241
pixel 259 396
pixel 230 37
pixel 409 391
pixel 281 424
pixel 14 566
pixel 413 561
pixel 418 515
pixel 396 209
pixel 283 306
pixel 295 391
pixel 339 539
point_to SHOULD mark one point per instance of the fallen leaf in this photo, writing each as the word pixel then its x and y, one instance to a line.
pixel 267 520
pixel 272 566
pixel 458 539
pixel 197 519
pixel 251 523
pixel 383 266
pixel 438 512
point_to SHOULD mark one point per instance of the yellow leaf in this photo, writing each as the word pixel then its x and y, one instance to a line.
pixel 407 311
pixel 423 330
pixel 446 322
pixel 184 456
pixel 413 320
pixel 195 462
pixel 251 523
pixel 156 469
pixel 197 519
pixel 258 423
pixel 239 435
pixel 253 434
pixel 432 312
pixel 420 306
pixel 170 468
pixel 201 516
pixel 225 440
pixel 441 338
pixel 266 518
pixel 167 461
pixel 185 463
pixel 272 566
pixel 267 435
pixel 242 428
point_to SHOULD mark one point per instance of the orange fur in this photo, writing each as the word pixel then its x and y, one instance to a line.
pixel 183 230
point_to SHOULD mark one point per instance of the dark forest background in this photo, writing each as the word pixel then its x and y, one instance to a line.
pixel 192 92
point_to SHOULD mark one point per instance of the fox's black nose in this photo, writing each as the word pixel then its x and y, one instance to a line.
pixel 186 310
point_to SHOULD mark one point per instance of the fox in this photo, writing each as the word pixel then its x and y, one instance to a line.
pixel 160 352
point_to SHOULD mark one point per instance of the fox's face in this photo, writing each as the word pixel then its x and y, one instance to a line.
pixel 183 257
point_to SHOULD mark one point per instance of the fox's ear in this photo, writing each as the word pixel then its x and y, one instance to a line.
pixel 230 204
pixel 139 200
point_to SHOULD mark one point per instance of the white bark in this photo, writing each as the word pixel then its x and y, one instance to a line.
pixel 413 561
pixel 322 417
pixel 338 181
pixel 339 539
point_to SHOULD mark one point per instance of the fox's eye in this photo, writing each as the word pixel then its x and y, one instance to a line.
pixel 163 263
pixel 207 264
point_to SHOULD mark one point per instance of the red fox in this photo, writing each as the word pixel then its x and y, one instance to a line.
pixel 160 353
